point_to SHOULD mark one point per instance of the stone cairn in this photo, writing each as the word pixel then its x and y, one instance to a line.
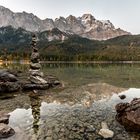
pixel 36 76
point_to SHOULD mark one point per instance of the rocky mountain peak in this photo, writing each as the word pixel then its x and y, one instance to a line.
pixel 85 26
pixel 71 18
pixel 107 24
pixel 87 17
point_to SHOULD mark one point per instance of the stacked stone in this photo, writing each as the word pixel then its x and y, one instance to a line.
pixel 36 76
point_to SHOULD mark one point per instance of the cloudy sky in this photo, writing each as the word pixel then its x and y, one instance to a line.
pixel 122 13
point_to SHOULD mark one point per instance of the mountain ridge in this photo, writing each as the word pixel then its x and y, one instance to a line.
pixel 85 26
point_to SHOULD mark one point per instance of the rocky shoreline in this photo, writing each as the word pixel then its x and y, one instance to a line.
pixel 62 121
pixel 128 114
pixel 10 82
pixel 5 130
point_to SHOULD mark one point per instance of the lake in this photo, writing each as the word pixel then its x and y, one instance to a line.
pixel 74 111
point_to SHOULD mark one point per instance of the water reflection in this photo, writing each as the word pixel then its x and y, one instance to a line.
pixel 86 100
pixel 35 106
pixel 121 75
pixel 51 119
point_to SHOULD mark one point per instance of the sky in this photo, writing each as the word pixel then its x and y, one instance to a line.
pixel 122 13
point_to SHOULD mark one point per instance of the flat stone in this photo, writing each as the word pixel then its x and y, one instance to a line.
pixel 37 80
pixel 35 66
pixel 56 82
pixel 52 80
pixel 30 86
pixel 35 49
pixel 36 73
pixel 6 131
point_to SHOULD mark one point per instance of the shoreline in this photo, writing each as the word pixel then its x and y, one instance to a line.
pixel 93 62
pixel 70 62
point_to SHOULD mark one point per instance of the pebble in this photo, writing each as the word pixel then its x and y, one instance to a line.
pixel 106 133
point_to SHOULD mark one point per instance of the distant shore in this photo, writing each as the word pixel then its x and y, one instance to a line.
pixel 94 62
pixel 71 62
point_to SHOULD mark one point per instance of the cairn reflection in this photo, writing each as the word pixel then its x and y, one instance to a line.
pixel 35 106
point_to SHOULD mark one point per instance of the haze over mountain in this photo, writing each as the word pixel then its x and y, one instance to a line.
pixel 85 26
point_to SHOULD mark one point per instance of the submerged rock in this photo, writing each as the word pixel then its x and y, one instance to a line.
pixel 6 131
pixel 128 114
pixel 52 80
pixel 4 118
pixel 122 97
pixel 105 132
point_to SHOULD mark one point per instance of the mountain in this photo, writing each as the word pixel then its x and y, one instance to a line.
pixel 86 26
pixel 13 36
pixel 57 45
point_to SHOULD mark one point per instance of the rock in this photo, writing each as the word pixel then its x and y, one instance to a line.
pixel 9 87
pixel 128 114
pixel 37 80
pixel 122 97
pixel 6 76
pixel 4 118
pixel 8 82
pixel 6 131
pixel 52 80
pixel 34 48
pixel 104 125
pixel 35 57
pixel 36 76
pixel 35 66
pixel 30 86
pixel 56 82
pixel 90 129
pixel 105 132
pixel 36 73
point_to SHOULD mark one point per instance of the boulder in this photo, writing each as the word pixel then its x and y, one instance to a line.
pixel 7 76
pixel 6 131
pixel 9 87
pixel 128 114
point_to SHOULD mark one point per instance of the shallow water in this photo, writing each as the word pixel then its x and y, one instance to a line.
pixel 75 110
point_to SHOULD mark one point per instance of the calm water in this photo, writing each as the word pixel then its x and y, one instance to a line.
pixel 122 75
pixel 87 97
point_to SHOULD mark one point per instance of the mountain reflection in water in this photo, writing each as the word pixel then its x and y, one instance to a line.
pixel 76 110
pixel 44 119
